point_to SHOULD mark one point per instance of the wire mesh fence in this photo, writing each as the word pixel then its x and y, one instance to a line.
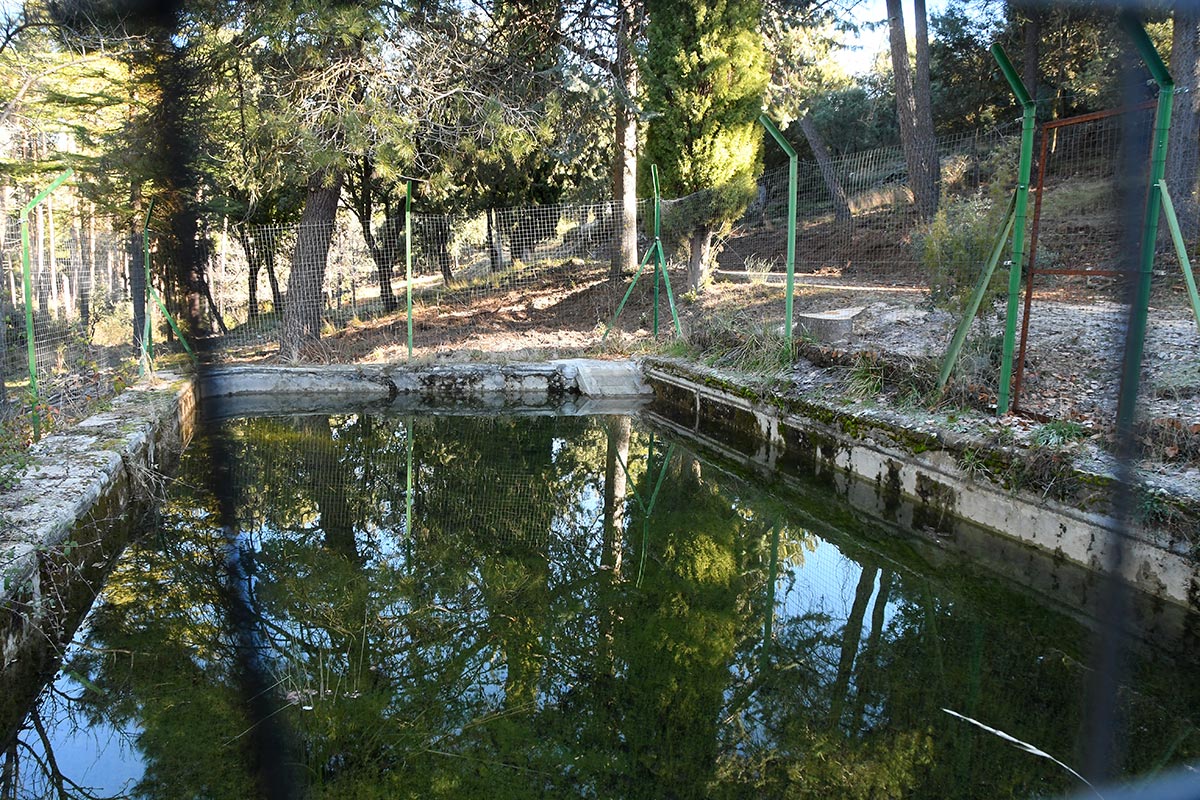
pixel 77 328
pixel 549 277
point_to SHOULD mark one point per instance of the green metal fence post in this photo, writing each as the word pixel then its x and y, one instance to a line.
pixel 1135 341
pixel 408 263
pixel 27 281
pixel 793 172
pixel 1185 263
pixel 660 259
pixel 1021 205
pixel 659 267
pixel 662 265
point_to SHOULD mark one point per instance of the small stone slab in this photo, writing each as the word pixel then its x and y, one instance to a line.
pixel 831 327
pixel 599 378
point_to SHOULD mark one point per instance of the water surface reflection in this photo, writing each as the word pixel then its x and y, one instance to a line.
pixel 570 607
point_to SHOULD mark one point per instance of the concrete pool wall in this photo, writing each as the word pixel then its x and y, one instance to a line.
pixel 941 498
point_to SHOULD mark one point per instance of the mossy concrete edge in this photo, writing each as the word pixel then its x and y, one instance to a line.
pixel 87 475
pixel 923 466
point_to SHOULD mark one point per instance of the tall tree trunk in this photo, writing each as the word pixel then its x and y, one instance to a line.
pixel 701 253
pixel 303 306
pixel 272 278
pixel 76 280
pixel 495 244
pixel 52 258
pixel 137 288
pixel 88 249
pixel 931 175
pixel 1183 147
pixel 254 265
pixel 39 265
pixel 625 255
pixel 916 135
pixel 383 255
pixel 841 205
pixel 439 243
pixel 1031 50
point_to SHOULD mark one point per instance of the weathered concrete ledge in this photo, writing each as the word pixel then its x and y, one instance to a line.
pixel 83 479
pixel 924 468
pixel 551 382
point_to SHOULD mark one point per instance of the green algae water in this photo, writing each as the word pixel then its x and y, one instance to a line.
pixel 496 607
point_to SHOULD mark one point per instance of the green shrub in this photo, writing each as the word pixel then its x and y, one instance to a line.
pixel 954 247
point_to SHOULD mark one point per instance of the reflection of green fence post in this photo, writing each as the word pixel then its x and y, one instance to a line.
pixel 408 262
pixel 793 171
pixel 1135 337
pixel 408 479
pixel 647 505
pixel 27 279
pixel 769 611
pixel 1021 205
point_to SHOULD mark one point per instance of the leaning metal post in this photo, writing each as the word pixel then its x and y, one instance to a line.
pixel 793 170
pixel 27 275
pixel 661 259
pixel 1185 263
pixel 1028 110
pixel 972 308
pixel 1136 335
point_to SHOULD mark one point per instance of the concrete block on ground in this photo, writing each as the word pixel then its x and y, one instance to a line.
pixel 830 327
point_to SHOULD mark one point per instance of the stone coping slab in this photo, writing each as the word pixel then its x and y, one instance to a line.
pixel 445 383
pixel 102 462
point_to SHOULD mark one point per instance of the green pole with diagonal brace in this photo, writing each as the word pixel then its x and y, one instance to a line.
pixel 973 304
pixel 660 271
pixel 1020 212
pixel 152 294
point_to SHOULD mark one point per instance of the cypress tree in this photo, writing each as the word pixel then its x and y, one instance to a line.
pixel 706 72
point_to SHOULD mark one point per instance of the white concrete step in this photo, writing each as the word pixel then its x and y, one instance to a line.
pixel 598 378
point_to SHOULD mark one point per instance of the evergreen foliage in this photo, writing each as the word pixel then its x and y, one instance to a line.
pixel 706 73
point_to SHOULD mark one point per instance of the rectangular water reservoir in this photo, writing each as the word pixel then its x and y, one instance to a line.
pixel 458 606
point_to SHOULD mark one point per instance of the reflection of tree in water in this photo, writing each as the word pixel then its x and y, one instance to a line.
pixel 678 637
pixel 505 647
